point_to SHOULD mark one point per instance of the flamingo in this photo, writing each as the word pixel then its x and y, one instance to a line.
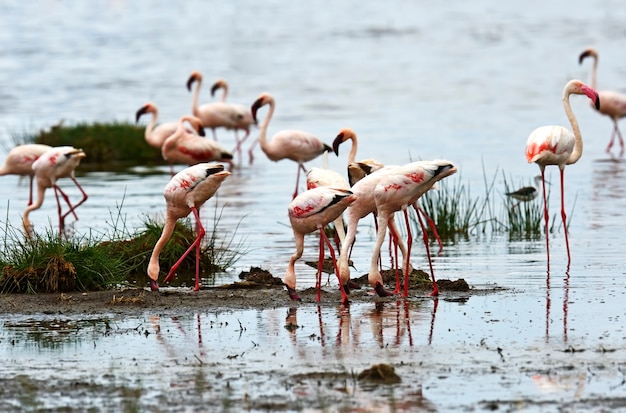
pixel 187 148
pixel 327 177
pixel 525 193
pixel 58 162
pixel 291 144
pixel 396 191
pixel 220 114
pixel 155 135
pixel 556 145
pixel 20 160
pixel 310 211
pixel 187 191
pixel 613 103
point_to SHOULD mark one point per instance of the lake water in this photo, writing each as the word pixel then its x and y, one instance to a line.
pixel 464 81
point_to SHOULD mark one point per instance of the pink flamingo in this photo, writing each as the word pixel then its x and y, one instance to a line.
pixel 188 148
pixel 396 191
pixel 310 211
pixel 187 191
pixel 20 160
pixel 556 145
pixel 327 177
pixel 613 103
pixel 220 114
pixel 291 144
pixel 155 135
pixel 58 162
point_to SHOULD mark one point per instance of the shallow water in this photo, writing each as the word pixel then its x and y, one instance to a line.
pixel 465 82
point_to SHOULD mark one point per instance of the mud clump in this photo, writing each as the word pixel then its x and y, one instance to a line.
pixel 256 278
pixel 380 374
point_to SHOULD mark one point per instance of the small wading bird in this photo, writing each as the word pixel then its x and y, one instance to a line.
pixel 56 163
pixel 187 191
pixel 525 193
pixel 613 103
pixel 188 148
pixel 291 144
pixel 310 211
pixel 396 191
pixel 220 114
pixel 557 145
pixel 20 160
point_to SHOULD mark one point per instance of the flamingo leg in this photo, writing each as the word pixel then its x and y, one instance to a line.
pixel 73 207
pixel 295 192
pixel 394 236
pixel 546 217
pixel 435 291
pixel 195 244
pixel 251 151
pixel 409 243
pixel 432 225
pixel 563 215
pixel 621 140
pixel 320 264
pixel 344 295
pixel 30 196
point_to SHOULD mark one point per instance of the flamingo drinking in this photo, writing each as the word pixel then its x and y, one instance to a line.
pixel 185 193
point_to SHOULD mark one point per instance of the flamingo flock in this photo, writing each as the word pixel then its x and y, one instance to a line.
pixel 368 187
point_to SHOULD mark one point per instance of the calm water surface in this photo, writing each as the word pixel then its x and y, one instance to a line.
pixel 416 80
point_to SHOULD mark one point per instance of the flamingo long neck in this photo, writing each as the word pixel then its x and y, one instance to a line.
pixel 265 145
pixel 224 93
pixel 352 154
pixel 578 143
pixel 153 265
pixel 150 126
pixel 172 140
pixel 594 72
pixel 194 98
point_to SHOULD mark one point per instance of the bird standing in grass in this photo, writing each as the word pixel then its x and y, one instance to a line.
pixel 184 194
pixel 525 193
pixel 56 163
pixel 557 145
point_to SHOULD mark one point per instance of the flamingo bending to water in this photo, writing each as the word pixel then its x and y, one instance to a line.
pixel 310 211
pixel 188 148
pixel 185 193
pixel 396 191
pixel 613 103
pixel 56 163
pixel 557 145
pixel 291 144
pixel 20 160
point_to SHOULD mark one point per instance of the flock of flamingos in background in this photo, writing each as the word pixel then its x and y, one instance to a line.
pixel 370 187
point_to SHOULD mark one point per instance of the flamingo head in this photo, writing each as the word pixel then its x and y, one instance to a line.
pixel 194 77
pixel 590 52
pixel 343 135
pixel 262 100
pixel 219 84
pixel 579 88
pixel 147 108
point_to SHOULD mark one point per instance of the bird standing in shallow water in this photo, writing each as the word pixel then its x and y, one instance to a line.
pixel 525 193
pixel 291 144
pixel 310 211
pixel 58 162
pixel 186 193
pixel 557 145
pixel 20 160
pixel 613 103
